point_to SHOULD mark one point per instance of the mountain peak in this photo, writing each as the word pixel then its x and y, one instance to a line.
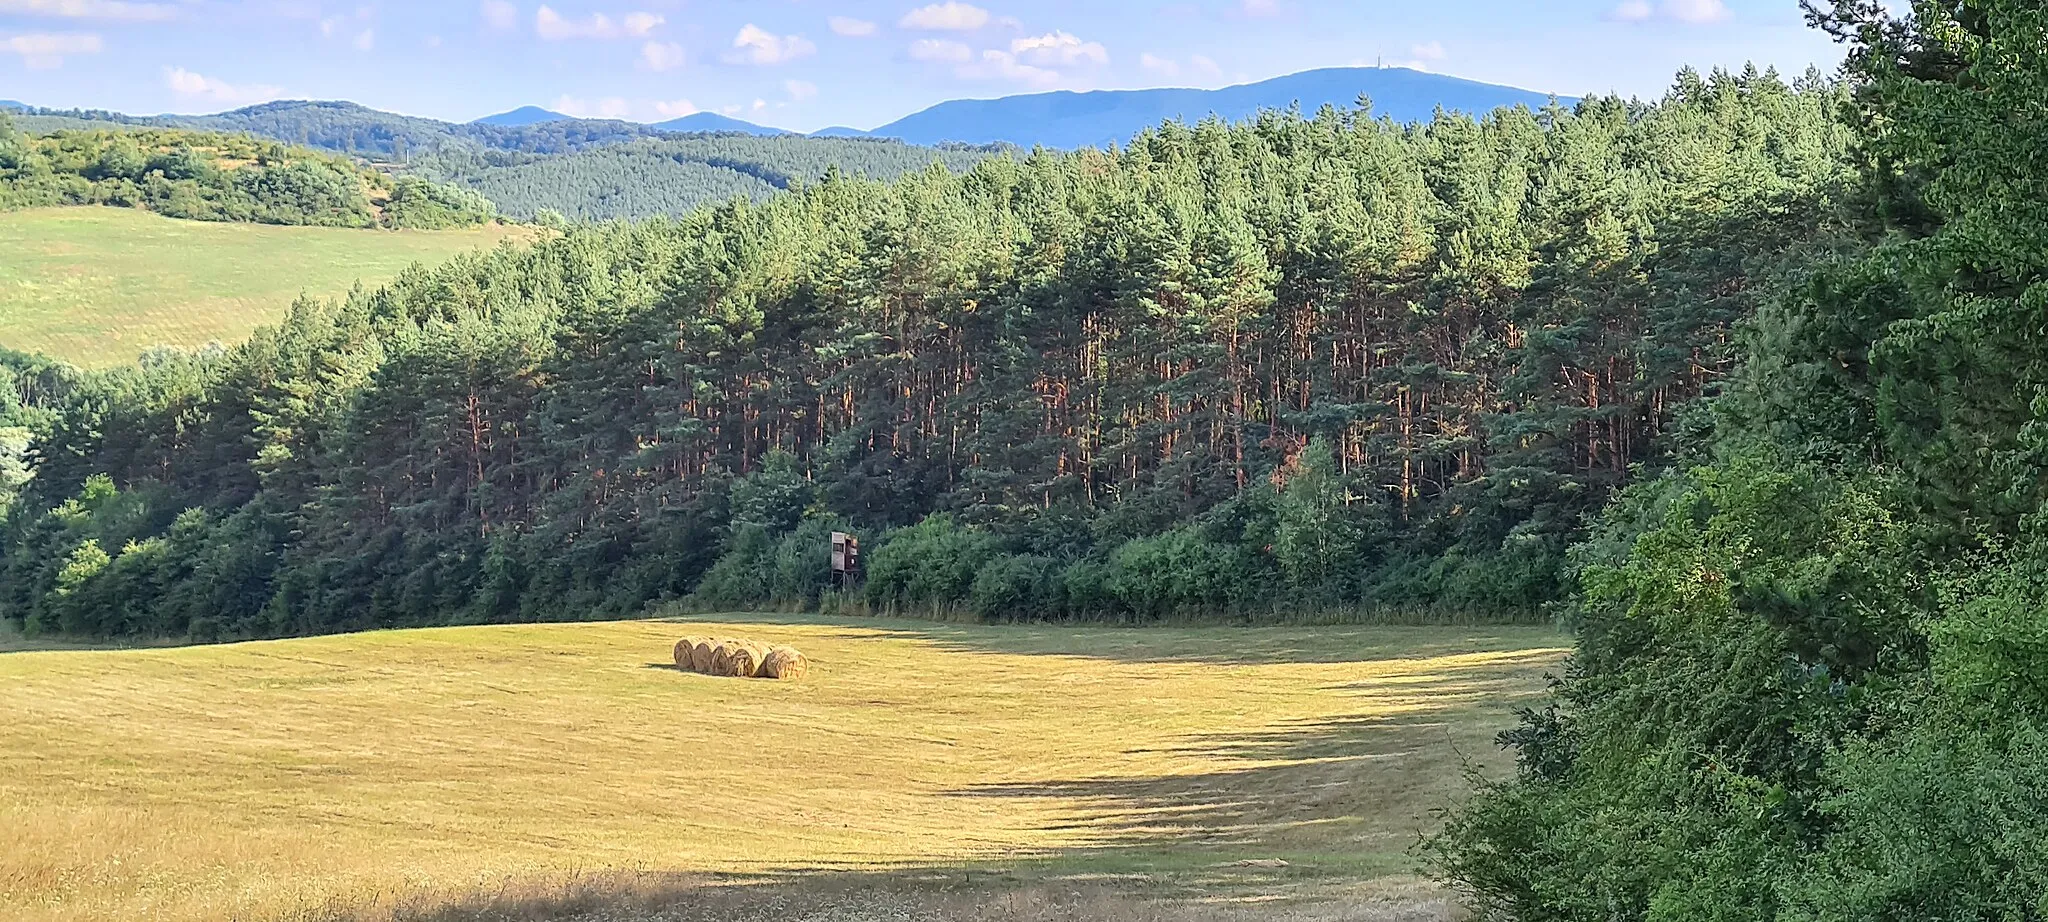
pixel 522 117
pixel 712 122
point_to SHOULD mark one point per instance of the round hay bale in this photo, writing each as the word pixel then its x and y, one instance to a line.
pixel 700 656
pixel 683 653
pixel 721 658
pixel 745 659
pixel 785 664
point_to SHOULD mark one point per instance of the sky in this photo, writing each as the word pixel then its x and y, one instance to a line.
pixel 808 64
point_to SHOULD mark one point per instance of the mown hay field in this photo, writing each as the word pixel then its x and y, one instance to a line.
pixel 376 775
pixel 99 286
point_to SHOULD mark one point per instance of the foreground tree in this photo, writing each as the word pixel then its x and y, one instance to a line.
pixel 1807 684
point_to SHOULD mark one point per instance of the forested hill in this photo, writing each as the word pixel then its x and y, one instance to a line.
pixel 675 176
pixel 1287 365
pixel 211 176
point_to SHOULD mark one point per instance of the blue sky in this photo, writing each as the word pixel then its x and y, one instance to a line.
pixel 807 64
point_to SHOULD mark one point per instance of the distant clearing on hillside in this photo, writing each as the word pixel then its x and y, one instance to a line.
pixel 339 777
pixel 99 286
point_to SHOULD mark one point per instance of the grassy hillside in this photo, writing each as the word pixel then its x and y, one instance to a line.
pixel 98 286
pixel 322 776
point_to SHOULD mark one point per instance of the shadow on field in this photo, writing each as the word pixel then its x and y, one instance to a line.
pixel 1348 795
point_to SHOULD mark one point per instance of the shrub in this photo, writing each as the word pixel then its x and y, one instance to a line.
pixel 416 204
pixel 932 564
pixel 802 563
pixel 1181 572
pixel 1017 588
pixel 741 575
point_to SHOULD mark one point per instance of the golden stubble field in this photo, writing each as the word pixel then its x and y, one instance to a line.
pixel 380 775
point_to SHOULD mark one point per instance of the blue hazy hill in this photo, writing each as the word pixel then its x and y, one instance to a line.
pixel 522 117
pixel 713 122
pixel 1068 119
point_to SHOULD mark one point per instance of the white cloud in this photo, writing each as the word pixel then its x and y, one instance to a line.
pixel 800 90
pixel 47 51
pixel 607 107
pixel 1432 51
pixel 364 40
pixel 1696 11
pixel 1002 65
pixel 1204 65
pixel 110 10
pixel 554 27
pixel 676 108
pixel 940 50
pixel 659 56
pixel 500 15
pixel 851 27
pixel 760 104
pixel 1165 67
pixel 1690 12
pixel 951 16
pixel 755 45
pixel 1058 49
pixel 199 88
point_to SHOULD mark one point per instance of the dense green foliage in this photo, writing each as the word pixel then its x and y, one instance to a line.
pixel 421 205
pixel 1810 682
pixel 218 177
pixel 1328 363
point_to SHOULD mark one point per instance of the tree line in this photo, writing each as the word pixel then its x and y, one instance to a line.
pixel 220 177
pixel 1328 362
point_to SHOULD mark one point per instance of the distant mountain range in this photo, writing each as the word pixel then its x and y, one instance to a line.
pixel 1068 119
pixel 1060 119
pixel 697 123
pixel 11 104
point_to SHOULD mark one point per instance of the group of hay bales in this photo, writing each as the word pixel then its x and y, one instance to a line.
pixel 740 659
